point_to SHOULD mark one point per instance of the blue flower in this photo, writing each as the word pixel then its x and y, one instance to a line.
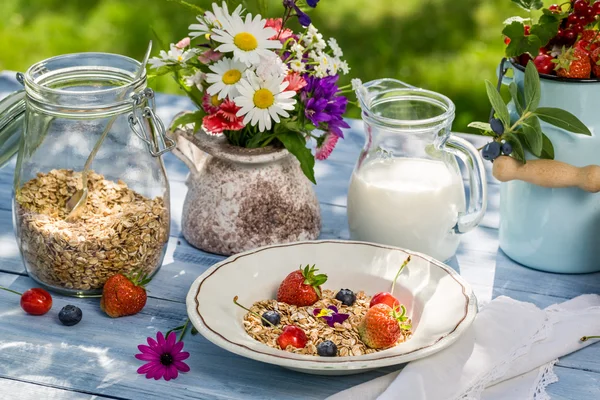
pixel 312 3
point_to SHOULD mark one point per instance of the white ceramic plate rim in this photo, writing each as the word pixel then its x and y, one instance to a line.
pixel 339 363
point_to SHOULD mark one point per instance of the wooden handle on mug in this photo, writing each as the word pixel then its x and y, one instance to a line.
pixel 548 173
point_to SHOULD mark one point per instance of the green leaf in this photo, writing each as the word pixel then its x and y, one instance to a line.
pixel 529 4
pixel 562 119
pixel 263 7
pixel 519 43
pixel 516 97
pixel 533 90
pixel 533 135
pixel 547 148
pixel 191 6
pixel 483 126
pixel 546 28
pixel 515 141
pixel 497 103
pixel 189 118
pixel 295 143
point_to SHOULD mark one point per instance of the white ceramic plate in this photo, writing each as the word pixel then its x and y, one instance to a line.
pixel 440 303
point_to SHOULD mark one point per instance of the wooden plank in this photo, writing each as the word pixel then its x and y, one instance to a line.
pixel 574 384
pixel 14 389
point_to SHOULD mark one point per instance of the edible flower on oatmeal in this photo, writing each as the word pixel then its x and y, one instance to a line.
pixel 330 315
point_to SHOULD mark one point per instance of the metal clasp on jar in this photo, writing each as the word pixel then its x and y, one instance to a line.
pixel 147 125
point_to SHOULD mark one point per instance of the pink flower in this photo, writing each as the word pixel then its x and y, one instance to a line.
pixel 225 119
pixel 183 43
pixel 296 81
pixel 209 56
pixel 210 104
pixel 324 150
pixel 276 23
pixel 164 357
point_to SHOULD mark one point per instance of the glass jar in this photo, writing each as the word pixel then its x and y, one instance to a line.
pixel 407 189
pixel 124 226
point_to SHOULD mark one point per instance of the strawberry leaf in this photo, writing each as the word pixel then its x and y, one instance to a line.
pixel 313 279
pixel 546 28
pixel 529 4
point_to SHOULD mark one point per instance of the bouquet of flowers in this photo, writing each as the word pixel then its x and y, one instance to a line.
pixel 259 83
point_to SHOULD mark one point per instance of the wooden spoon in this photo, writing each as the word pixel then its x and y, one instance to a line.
pixel 548 173
pixel 77 202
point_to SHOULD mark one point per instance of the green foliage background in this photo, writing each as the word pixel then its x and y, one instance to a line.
pixel 449 46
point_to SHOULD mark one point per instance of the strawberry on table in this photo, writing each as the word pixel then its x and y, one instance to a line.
pixel 382 326
pixel 124 295
pixel 301 287
pixel 573 63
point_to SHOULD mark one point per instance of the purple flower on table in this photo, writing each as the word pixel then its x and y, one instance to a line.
pixel 164 356
pixel 323 105
pixel 330 315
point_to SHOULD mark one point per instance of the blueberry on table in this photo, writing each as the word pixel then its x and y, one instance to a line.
pixel 491 151
pixel 271 316
pixel 346 296
pixel 507 149
pixel 497 126
pixel 327 349
pixel 70 315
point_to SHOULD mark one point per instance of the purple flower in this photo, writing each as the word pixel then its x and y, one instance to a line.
pixel 164 357
pixel 331 315
pixel 323 107
pixel 312 3
pixel 303 18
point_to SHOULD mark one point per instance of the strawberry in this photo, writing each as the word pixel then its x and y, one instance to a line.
pixel 590 35
pixel 382 326
pixel 573 63
pixel 595 57
pixel 123 295
pixel 301 287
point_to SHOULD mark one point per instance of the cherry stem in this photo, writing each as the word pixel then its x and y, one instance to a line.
pixel 586 338
pixel 12 291
pixel 235 301
pixel 399 272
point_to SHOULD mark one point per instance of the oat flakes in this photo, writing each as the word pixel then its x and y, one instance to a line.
pixel 118 231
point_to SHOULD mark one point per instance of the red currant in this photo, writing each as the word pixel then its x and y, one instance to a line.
pixel 384 298
pixel 543 50
pixel 580 5
pixel 570 34
pixel 573 19
pixel 555 8
pixel 36 301
pixel 596 8
pixel 507 41
pixel 578 28
pixel 544 64
pixel 527 30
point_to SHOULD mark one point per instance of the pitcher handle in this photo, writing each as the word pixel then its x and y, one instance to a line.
pixel 477 180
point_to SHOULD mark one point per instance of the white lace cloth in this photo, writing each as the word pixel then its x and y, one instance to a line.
pixel 508 353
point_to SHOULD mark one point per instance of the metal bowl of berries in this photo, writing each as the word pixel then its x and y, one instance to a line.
pixel 331 307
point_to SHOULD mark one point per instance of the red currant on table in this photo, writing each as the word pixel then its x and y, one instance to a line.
pixel 36 301
pixel 544 64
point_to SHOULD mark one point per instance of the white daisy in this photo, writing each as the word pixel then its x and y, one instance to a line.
pixel 271 66
pixel 344 67
pixel 227 73
pixel 297 49
pixel 297 66
pixel 320 71
pixel 337 51
pixel 356 84
pixel 174 56
pixel 263 100
pixel 212 20
pixel 195 80
pixel 248 39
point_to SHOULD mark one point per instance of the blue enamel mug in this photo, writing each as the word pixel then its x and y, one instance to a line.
pixel 557 229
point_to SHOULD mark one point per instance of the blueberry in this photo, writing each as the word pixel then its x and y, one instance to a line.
pixel 506 148
pixel 271 316
pixel 346 296
pixel 491 151
pixel 70 315
pixel 327 349
pixel 497 126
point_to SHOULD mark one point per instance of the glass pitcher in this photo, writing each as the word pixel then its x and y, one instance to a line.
pixel 68 103
pixel 407 189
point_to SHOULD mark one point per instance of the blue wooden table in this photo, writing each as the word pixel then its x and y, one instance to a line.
pixel 42 359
